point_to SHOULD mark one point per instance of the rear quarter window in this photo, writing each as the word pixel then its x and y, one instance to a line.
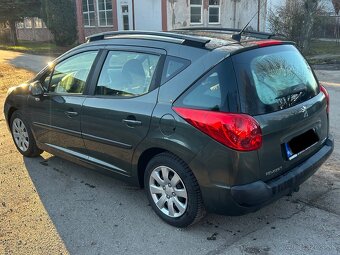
pixel 215 91
pixel 173 66
pixel 273 78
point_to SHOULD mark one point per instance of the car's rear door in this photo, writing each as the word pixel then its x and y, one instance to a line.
pixel 55 115
pixel 278 87
pixel 117 113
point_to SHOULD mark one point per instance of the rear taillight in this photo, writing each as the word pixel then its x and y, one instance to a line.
pixel 324 90
pixel 237 131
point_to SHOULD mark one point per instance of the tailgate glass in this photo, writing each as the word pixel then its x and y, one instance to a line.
pixel 276 77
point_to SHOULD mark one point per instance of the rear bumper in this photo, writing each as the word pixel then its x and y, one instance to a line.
pixel 251 197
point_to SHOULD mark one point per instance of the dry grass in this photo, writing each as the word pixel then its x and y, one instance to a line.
pixel 12 76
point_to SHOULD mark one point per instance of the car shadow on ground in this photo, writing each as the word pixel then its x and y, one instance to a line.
pixel 33 63
pixel 95 213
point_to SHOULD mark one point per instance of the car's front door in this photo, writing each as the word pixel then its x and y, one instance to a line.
pixel 56 115
pixel 116 117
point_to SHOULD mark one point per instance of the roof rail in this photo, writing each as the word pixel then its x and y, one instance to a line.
pixel 257 34
pixel 186 39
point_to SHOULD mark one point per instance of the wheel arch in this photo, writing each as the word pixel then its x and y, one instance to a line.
pixel 10 113
pixel 143 161
pixel 151 152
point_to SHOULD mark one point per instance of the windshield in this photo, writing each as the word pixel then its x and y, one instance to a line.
pixel 273 78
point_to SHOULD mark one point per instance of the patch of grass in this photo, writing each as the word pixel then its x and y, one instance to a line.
pixel 324 47
pixel 324 52
pixel 325 60
pixel 11 76
pixel 37 48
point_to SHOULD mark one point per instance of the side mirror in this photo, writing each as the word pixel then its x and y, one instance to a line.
pixel 36 89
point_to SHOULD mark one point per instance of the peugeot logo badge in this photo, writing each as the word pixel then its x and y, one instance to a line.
pixel 304 111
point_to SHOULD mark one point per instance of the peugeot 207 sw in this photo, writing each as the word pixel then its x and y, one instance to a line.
pixel 202 121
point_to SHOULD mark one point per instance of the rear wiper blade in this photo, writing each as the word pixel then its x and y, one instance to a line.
pixel 297 89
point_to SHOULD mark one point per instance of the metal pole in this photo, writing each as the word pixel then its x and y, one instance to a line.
pixel 258 14
pixel 133 15
pixel 234 25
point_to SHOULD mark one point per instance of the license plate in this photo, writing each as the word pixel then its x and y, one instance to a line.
pixel 300 144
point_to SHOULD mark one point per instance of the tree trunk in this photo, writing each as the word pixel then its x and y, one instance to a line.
pixel 310 12
pixel 13 32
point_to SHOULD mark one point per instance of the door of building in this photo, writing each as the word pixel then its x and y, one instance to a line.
pixel 125 15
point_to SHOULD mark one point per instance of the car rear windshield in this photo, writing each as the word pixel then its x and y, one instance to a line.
pixel 273 78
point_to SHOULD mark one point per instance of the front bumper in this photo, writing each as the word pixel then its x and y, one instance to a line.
pixel 246 198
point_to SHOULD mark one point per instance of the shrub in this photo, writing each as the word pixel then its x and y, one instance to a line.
pixel 60 19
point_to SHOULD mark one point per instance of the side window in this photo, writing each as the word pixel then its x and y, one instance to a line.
pixel 149 64
pixel 206 94
pixel 70 75
pixel 173 66
pixel 126 74
pixel 215 91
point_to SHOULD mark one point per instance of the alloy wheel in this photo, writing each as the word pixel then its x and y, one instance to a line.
pixel 168 191
pixel 20 134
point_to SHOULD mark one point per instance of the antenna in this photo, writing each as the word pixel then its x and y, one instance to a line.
pixel 237 36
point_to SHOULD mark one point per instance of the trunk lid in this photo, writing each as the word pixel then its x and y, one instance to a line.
pixel 291 136
pixel 278 88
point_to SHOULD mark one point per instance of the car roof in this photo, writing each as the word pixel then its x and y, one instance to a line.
pixel 204 38
pixel 189 43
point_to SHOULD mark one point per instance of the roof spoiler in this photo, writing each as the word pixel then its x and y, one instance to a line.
pixel 256 34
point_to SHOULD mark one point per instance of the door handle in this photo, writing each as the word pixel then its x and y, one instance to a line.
pixel 132 123
pixel 71 114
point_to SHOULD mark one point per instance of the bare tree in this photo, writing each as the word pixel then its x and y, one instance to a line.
pixel 13 11
pixel 336 5
pixel 296 20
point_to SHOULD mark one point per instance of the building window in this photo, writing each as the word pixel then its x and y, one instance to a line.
pixel 88 13
pixel 38 23
pixel 105 13
pixel 214 11
pixel 196 9
pixel 28 23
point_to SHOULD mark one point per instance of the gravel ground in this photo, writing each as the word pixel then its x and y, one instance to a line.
pixel 25 225
pixel 52 206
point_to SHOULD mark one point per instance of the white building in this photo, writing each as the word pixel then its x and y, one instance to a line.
pixel 95 16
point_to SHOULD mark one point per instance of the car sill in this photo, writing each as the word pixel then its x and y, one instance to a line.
pixel 88 159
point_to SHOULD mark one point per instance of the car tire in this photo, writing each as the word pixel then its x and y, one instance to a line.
pixel 22 136
pixel 173 191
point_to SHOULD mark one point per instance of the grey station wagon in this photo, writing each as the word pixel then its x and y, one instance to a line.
pixel 202 121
